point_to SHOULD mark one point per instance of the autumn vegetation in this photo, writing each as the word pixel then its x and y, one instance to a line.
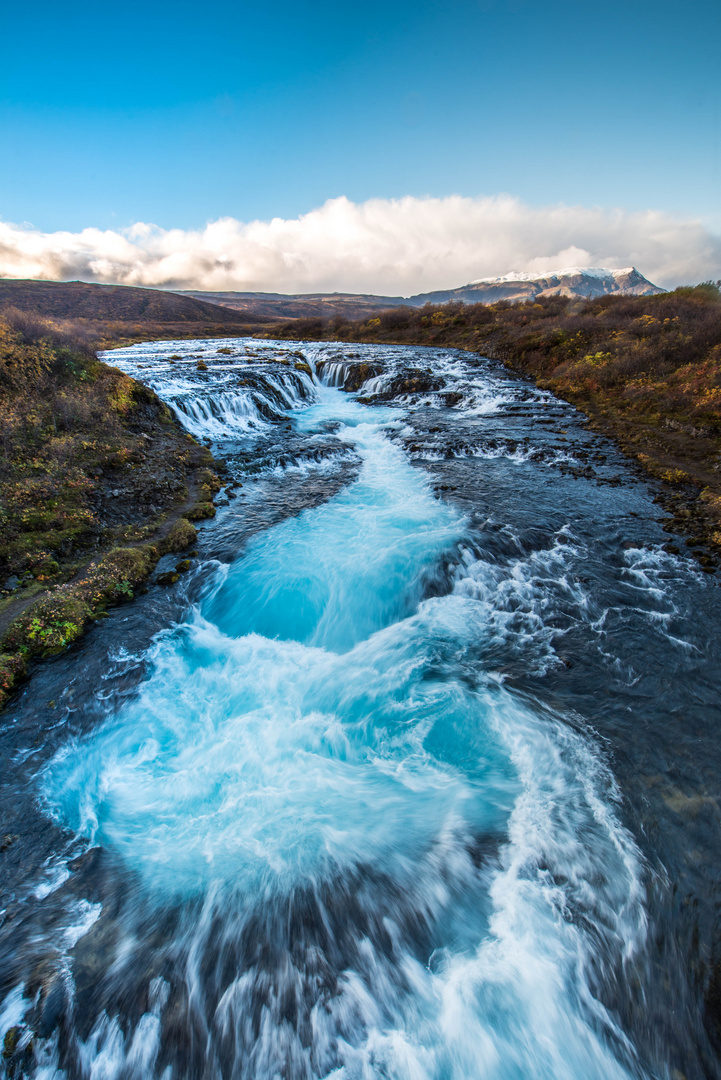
pixel 97 481
pixel 111 315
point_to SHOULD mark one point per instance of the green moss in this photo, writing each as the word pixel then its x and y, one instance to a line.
pixel 180 537
pixel 169 578
pixel 61 616
pixel 13 669
pixel 10 1042
pixel 209 481
pixel 201 511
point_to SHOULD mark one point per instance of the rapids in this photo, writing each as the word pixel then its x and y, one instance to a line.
pixel 409 778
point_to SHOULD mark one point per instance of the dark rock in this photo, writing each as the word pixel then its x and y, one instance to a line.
pixel 413 381
pixel 10 1042
pixel 360 373
pixel 52 1008
pixel 183 566
pixel 168 578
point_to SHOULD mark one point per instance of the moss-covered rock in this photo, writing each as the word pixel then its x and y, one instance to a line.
pixel 208 479
pixel 201 511
pixel 13 669
pixel 169 578
pixel 180 537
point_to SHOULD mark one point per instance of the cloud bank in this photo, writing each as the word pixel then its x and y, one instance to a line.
pixel 397 247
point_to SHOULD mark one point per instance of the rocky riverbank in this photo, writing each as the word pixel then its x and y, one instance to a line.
pixel 97 482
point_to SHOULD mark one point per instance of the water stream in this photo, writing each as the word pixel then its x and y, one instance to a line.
pixel 412 777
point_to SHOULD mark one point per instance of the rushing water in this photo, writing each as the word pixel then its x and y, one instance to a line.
pixel 414 776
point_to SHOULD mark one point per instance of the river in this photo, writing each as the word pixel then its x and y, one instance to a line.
pixel 414 775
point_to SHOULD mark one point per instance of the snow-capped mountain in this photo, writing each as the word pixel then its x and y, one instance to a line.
pixel 581 281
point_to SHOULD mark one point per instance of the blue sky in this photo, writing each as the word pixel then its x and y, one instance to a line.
pixel 182 113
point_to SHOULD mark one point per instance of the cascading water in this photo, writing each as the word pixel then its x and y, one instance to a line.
pixel 325 835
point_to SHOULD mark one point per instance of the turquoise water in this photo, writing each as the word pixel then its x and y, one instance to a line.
pixel 345 812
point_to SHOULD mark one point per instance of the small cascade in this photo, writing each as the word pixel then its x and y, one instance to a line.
pixel 218 415
pixel 227 400
pixel 333 372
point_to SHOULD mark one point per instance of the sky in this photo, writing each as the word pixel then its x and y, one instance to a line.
pixel 357 124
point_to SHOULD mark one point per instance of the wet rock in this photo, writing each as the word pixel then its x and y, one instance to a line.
pixel 412 381
pixel 201 366
pixel 52 1007
pixel 11 1040
pixel 168 578
pixel 183 566
pixel 89 860
pixel 360 373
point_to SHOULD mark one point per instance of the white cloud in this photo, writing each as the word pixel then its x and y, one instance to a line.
pixel 398 246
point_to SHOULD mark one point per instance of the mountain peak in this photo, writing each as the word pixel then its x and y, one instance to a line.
pixel 581 281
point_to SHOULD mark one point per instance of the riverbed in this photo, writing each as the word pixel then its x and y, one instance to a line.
pixel 415 774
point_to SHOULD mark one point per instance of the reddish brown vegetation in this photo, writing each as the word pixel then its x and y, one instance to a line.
pixel 89 460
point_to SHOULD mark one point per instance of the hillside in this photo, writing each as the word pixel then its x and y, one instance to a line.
pixel 646 370
pixel 270 306
pixel 121 312
pixel 97 481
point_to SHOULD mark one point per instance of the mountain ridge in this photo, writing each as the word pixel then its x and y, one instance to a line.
pixel 582 282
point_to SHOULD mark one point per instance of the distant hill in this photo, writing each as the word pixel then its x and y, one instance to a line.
pixel 111 310
pixel 269 306
pixel 122 312
pixel 585 282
